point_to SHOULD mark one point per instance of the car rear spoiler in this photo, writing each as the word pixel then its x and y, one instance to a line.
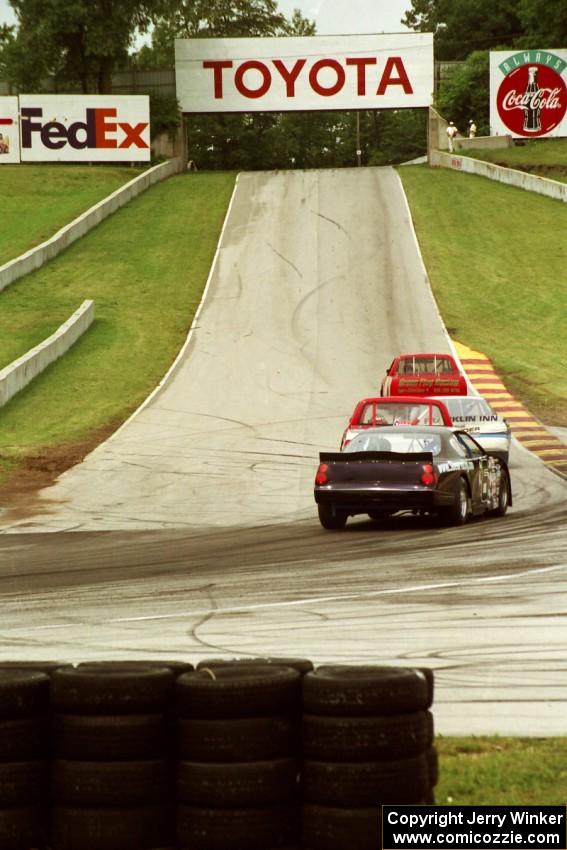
pixel 346 457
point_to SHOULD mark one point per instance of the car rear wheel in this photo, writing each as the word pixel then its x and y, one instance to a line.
pixel 503 495
pixel 458 512
pixel 331 519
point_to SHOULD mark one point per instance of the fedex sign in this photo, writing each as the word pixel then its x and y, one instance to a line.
pixel 91 128
pixel 321 72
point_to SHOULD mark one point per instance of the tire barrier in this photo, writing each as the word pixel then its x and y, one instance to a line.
pixel 249 754
pixel 24 765
pixel 112 775
pixel 245 804
pixel 366 734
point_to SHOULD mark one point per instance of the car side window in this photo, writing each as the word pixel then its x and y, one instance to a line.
pixel 472 448
pixel 457 446
pixel 455 407
pixel 444 365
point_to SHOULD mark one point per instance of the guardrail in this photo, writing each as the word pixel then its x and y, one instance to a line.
pixel 510 176
pixel 20 372
pixel 36 257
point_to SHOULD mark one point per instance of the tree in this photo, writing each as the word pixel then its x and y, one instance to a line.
pixel 402 136
pixel 544 23
pixel 7 39
pixel 464 93
pixel 299 25
pixel 462 26
pixel 216 19
pixel 77 42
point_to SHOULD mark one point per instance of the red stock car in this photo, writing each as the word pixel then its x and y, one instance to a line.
pixel 423 374
pixel 395 410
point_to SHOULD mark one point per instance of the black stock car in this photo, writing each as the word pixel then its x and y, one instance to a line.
pixel 425 470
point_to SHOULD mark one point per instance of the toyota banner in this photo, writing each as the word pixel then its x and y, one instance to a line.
pixel 388 71
pixel 75 128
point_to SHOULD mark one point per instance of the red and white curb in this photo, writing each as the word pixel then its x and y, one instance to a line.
pixel 528 430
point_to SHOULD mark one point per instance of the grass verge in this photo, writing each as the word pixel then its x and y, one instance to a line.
pixel 544 157
pixel 496 258
pixel 38 200
pixel 502 771
pixel 145 268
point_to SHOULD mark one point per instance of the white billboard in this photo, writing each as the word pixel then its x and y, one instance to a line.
pixel 9 131
pixel 84 128
pixel 390 71
pixel 528 93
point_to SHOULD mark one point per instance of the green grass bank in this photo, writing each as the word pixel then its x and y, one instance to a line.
pixel 496 258
pixel 544 157
pixel 495 771
pixel 145 268
pixel 38 200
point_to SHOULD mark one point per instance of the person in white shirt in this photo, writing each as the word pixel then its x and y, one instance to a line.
pixel 451 133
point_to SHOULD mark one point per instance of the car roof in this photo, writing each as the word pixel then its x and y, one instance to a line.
pixel 426 354
pixel 400 399
pixel 427 430
pixel 444 398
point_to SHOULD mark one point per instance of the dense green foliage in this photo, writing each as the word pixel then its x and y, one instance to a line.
pixel 79 43
pixel 463 26
pixel 464 94
pixel 495 771
pixel 165 114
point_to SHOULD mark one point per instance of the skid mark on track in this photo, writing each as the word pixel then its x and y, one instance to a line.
pixel 285 260
pixel 526 428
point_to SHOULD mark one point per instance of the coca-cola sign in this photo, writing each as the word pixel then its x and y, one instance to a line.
pixel 528 93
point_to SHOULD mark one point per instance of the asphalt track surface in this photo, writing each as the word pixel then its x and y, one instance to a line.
pixel 192 532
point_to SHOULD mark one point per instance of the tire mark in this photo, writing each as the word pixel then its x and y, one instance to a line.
pixel 332 221
pixel 281 256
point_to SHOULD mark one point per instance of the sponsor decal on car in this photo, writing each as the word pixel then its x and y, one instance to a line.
pixel 455 465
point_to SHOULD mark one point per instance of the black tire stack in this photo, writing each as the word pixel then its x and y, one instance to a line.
pixel 367 742
pixel 24 766
pixel 112 771
pixel 238 744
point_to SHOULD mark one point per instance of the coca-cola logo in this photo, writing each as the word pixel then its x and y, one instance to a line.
pixel 532 100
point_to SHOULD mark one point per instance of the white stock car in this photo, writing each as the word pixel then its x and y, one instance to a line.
pixel 474 414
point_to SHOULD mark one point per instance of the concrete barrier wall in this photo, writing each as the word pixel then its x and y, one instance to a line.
pixel 510 176
pixel 20 372
pixel 36 257
pixel 482 143
pixel 437 137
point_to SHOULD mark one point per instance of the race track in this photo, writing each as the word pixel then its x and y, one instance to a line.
pixel 194 531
